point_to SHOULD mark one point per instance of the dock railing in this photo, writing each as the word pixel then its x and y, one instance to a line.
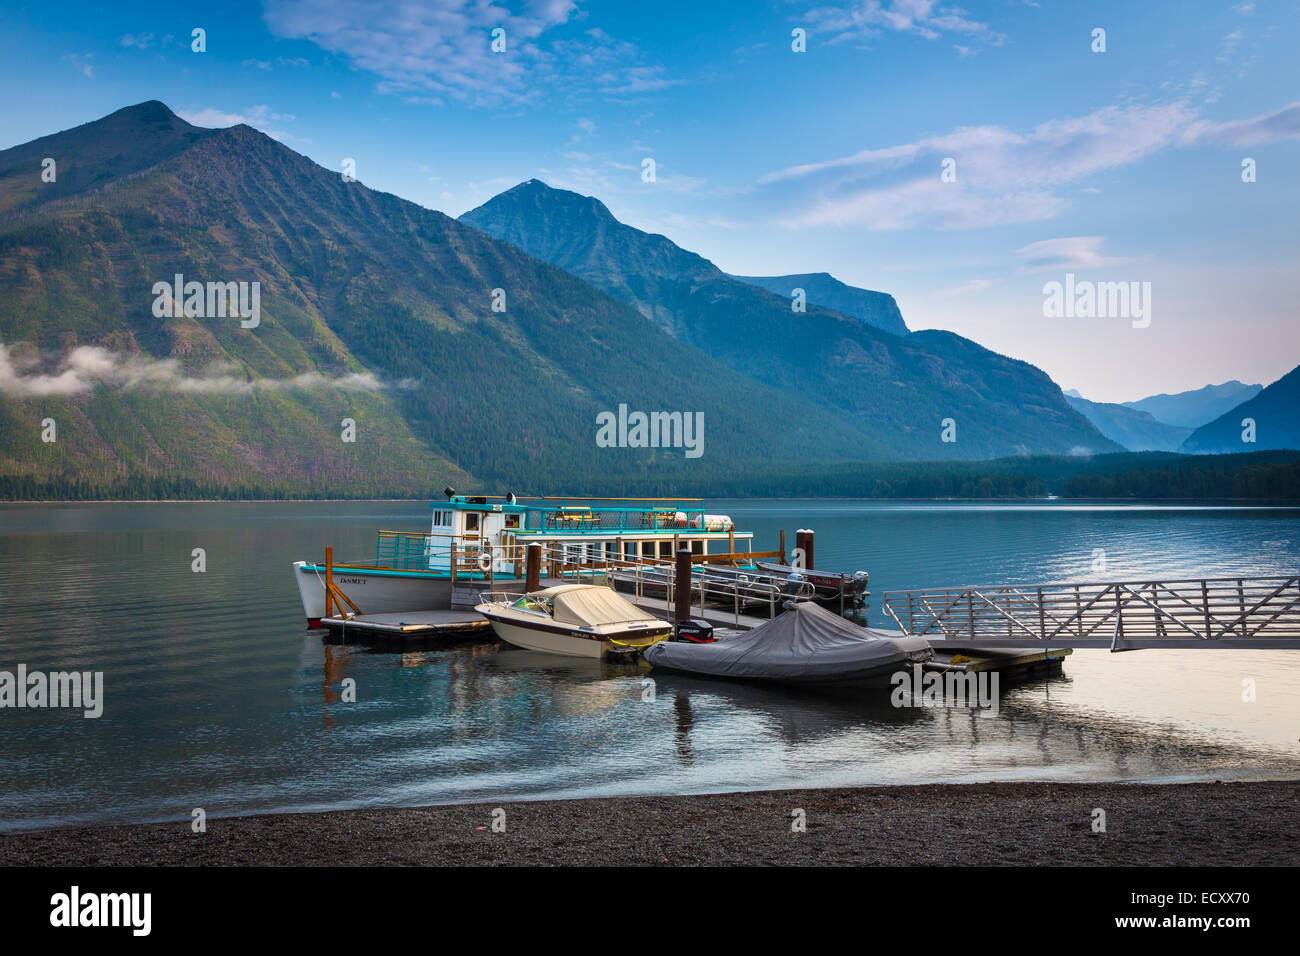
pixel 1241 612
pixel 654 577
pixel 476 560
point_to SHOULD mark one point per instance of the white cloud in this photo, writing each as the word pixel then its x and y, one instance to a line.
pixel 586 127
pixel 869 18
pixel 966 288
pixel 1069 252
pixel 1266 128
pixel 25 374
pixel 82 62
pixel 1228 49
pixel 1002 176
pixel 440 50
pixel 259 117
pixel 431 49
pixel 140 41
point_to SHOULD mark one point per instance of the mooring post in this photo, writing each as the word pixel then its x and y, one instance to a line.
pixel 783 560
pixel 533 567
pixel 808 549
pixel 682 589
pixel 329 581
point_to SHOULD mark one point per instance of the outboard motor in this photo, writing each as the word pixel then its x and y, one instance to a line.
pixel 794 582
pixel 694 631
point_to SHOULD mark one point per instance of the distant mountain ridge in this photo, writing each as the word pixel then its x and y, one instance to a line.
pixel 1275 412
pixel 354 282
pixel 898 390
pixel 821 288
pixel 1133 429
pixel 1195 407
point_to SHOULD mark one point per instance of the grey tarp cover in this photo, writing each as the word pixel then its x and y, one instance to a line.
pixel 806 644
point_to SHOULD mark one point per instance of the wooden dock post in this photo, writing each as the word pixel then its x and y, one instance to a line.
pixel 807 546
pixel 334 596
pixel 682 588
pixel 534 568
pixel 329 581
pixel 783 560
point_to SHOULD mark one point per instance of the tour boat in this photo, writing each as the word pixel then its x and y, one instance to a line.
pixel 576 620
pixel 476 538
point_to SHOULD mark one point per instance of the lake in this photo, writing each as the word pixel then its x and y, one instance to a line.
pixel 217 697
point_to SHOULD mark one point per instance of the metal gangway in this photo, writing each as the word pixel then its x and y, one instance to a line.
pixel 1260 613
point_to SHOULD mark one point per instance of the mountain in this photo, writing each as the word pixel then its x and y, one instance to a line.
pixel 93 155
pixel 1193 409
pixel 821 288
pixel 372 308
pixel 1135 430
pixel 896 389
pixel 1275 412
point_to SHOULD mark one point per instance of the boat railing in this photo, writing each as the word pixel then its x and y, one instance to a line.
pixel 420 551
pixel 654 577
pixel 402 550
pixel 479 559
pixel 584 518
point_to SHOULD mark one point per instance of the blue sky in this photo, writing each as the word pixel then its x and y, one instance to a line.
pixel 1115 166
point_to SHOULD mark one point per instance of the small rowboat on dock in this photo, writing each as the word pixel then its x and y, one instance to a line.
pixel 829 586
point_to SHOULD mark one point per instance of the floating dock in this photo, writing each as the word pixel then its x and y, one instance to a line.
pixel 449 623
pixel 1014 666
pixel 407 628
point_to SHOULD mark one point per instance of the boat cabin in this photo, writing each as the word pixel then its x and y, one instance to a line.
pixel 494 532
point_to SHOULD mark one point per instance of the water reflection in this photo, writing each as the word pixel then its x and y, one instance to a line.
pixel 215 696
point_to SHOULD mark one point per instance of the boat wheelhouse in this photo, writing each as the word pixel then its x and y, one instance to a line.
pixel 495 532
pixel 480 537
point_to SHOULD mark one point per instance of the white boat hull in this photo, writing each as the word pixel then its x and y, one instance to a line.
pixel 533 639
pixel 374 591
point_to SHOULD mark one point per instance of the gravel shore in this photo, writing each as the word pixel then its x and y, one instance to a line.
pixel 1233 824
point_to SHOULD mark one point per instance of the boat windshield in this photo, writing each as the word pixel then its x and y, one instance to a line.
pixel 528 603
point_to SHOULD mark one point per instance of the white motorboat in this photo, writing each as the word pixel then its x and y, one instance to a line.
pixel 577 620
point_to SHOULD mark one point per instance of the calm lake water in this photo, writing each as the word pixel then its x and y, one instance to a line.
pixel 216 696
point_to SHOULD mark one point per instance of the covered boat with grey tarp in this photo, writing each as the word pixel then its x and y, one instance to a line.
pixel 807 645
